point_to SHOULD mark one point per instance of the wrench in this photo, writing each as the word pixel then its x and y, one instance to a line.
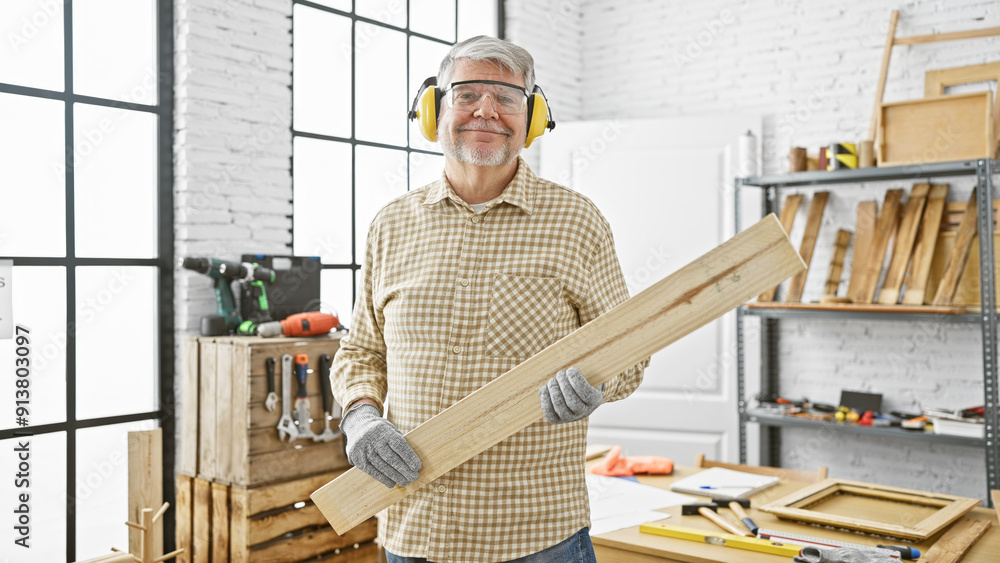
pixel 286 428
pixel 272 398
pixel 302 397
pixel 324 380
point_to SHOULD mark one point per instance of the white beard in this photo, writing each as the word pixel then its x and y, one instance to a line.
pixel 477 156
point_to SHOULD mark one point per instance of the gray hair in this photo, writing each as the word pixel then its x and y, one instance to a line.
pixel 485 48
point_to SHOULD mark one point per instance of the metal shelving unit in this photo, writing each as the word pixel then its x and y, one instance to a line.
pixel 983 170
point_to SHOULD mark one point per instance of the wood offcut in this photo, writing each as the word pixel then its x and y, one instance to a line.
pixel 814 220
pixel 871 269
pixel 787 218
pixel 959 253
pixel 840 244
pixel 903 247
pixel 923 252
pixel 727 276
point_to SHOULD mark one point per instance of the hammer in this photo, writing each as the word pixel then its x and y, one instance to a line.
pixel 737 505
pixel 709 510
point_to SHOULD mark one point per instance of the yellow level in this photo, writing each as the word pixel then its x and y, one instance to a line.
pixel 728 540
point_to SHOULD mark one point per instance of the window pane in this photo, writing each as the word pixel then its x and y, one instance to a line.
pixel 102 488
pixel 336 291
pixel 344 5
pixel 116 369
pixel 434 17
pixel 321 72
pixel 381 177
pixel 425 59
pixel 476 17
pixel 322 202
pixel 115 158
pixel 380 97
pixel 425 168
pixel 392 12
pixel 46 488
pixel 114 50
pixel 32 51
pixel 39 297
pixel 32 176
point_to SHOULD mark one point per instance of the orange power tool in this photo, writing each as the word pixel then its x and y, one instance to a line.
pixel 300 324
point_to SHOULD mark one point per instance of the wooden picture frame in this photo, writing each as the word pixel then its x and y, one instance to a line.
pixel 931 512
pixel 941 129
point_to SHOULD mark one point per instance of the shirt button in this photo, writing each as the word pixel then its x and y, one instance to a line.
pixel 475 218
pixel 442 488
pixel 464 282
pixel 457 349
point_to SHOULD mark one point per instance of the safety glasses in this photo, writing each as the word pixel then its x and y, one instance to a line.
pixel 467 95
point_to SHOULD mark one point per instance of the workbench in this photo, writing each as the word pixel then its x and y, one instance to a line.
pixel 630 546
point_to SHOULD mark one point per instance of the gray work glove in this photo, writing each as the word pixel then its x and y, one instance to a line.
pixel 378 448
pixel 568 397
pixel 842 555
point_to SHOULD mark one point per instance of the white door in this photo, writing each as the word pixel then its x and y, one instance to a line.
pixel 665 187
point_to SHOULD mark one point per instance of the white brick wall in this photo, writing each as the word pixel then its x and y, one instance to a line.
pixel 810 70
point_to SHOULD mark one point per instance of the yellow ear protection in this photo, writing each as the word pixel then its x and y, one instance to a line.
pixel 427 106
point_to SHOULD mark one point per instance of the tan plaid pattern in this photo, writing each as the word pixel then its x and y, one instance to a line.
pixel 451 299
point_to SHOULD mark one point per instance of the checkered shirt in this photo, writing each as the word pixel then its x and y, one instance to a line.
pixel 450 299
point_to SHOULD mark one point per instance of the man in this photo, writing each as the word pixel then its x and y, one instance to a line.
pixel 463 279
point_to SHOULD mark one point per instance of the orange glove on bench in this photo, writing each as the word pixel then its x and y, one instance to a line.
pixel 613 465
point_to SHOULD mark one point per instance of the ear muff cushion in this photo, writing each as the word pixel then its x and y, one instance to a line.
pixel 538 118
pixel 427 111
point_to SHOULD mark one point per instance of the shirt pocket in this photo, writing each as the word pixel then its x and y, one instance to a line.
pixel 522 315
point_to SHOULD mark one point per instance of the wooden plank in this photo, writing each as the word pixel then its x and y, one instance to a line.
pixel 952 545
pixel 206 410
pixel 183 511
pixel 188 446
pixel 935 37
pixel 280 495
pixel 840 244
pixel 322 540
pixel 239 413
pixel 201 546
pixel 787 218
pixel 239 525
pixel 883 73
pixel 903 247
pixel 813 222
pixel 224 382
pixel 273 526
pixel 864 229
pixel 959 254
pixel 145 484
pixel 946 128
pixel 923 253
pixel 752 261
pixel 864 307
pixel 220 523
pixel 935 81
pixel 318 457
pixel 995 495
pixel 885 227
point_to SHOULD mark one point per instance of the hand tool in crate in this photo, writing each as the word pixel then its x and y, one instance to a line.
pixel 302 397
pixel 329 404
pixel 272 398
pixel 286 428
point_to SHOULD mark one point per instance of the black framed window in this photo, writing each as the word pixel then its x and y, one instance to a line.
pixel 86 217
pixel 355 68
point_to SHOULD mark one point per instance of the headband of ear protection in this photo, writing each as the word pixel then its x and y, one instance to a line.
pixel 426 108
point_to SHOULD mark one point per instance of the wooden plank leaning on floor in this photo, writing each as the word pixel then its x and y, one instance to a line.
pixel 959 253
pixel 903 247
pixel 787 218
pixel 727 276
pixel 145 483
pixel 813 222
pixel 923 252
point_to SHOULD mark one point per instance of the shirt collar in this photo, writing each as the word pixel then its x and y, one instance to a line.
pixel 519 192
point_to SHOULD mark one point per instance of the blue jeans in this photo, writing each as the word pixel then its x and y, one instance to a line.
pixel 575 549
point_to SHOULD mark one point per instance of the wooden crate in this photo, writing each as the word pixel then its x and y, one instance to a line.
pixel 228 436
pixel 939 129
pixel 275 523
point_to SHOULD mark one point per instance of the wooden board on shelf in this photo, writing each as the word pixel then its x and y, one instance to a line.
pixel 923 251
pixel 941 129
pixel 864 307
pixel 959 254
pixel 840 244
pixel 903 247
pixel 864 229
pixel 871 268
pixel 727 276
pixel 814 220
pixel 787 219
pixel 968 291
pixel 892 511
